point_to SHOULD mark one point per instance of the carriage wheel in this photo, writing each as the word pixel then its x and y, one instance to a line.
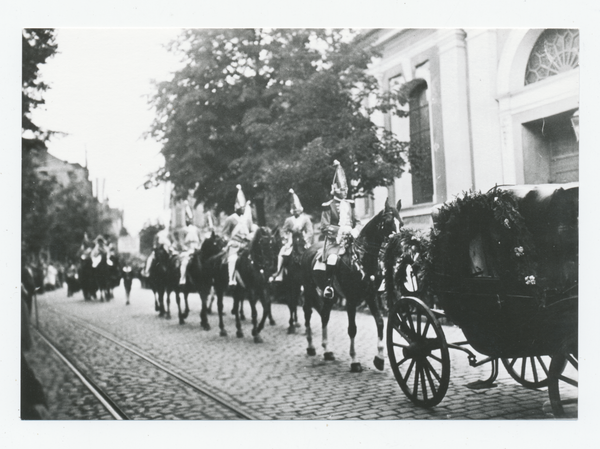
pixel 531 372
pixel 418 352
pixel 563 380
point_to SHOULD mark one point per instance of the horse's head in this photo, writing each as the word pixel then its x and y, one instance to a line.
pixel 263 250
pixel 211 246
pixel 384 224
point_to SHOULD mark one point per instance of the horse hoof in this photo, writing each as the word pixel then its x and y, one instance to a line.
pixel 239 334
pixel 311 351
pixel 168 316
pixel 156 309
pixel 291 330
pixel 206 327
pixel 242 317
pixel 186 314
pixel 355 367
pixel 223 333
pixel 258 339
pixel 329 356
pixel 127 303
pixel 297 325
pixel 181 321
pixel 272 323
pixel 378 362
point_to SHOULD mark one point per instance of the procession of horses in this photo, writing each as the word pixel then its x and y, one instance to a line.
pixel 502 264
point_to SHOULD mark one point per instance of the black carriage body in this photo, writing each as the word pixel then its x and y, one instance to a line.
pixel 506 304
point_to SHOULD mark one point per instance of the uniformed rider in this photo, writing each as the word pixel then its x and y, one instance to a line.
pixel 241 235
pixel 190 242
pixel 232 221
pixel 338 220
pixel 101 248
pixel 298 222
pixel 161 239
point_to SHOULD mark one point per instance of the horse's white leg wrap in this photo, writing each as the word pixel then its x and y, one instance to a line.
pixel 380 346
pixel 324 341
pixel 352 350
pixel 309 339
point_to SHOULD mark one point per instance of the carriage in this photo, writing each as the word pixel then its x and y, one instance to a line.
pixel 503 267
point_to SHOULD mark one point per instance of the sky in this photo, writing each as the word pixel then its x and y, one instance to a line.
pixel 100 81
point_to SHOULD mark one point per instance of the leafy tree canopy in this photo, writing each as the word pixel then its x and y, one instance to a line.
pixel 271 110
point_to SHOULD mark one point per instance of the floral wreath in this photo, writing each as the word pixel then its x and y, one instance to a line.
pixel 496 213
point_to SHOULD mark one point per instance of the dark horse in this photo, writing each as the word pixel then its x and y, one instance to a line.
pixel 255 266
pixel 107 276
pixel 208 269
pixel 158 278
pixel 172 286
pixel 87 278
pixel 292 278
pixel 357 278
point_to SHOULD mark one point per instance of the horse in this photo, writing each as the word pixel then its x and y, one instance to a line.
pixel 292 278
pixel 87 279
pixel 172 285
pixel 106 275
pixel 208 270
pixel 357 278
pixel 157 278
pixel 255 266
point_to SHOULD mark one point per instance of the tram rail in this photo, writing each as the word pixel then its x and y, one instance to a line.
pixel 111 406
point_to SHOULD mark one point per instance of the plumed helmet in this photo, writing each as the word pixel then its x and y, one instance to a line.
pixel 100 240
pixel 248 215
pixel 189 215
pixel 295 204
pixel 339 178
pixel 240 200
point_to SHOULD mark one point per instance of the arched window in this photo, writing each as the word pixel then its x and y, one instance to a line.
pixel 419 153
pixel 555 51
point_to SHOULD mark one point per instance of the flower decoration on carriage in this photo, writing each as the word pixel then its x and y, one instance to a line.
pixel 507 223
pixel 530 280
pixel 519 251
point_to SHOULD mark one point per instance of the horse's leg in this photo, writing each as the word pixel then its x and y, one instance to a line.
pixel 292 308
pixel 252 300
pixel 265 301
pixel 179 314
pixel 373 303
pixel 325 314
pixel 186 293
pixel 310 349
pixel 203 312
pixel 161 302
pixel 355 366
pixel 168 311
pixel 219 293
pixel 241 308
pixel 212 300
pixel 238 295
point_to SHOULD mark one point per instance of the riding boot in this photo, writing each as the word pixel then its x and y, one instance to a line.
pixel 328 292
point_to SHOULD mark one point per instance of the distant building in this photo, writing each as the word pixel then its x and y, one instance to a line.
pixel 64 172
pixel 485 107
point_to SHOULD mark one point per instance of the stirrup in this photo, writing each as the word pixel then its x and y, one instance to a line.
pixel 328 293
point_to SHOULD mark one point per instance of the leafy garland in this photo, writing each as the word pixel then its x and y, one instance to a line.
pixel 495 215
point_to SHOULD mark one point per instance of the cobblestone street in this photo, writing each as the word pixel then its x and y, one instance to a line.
pixel 274 380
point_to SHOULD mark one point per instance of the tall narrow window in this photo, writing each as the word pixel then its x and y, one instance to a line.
pixel 420 147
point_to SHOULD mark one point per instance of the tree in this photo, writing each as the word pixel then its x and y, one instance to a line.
pixel 271 109
pixel 38 46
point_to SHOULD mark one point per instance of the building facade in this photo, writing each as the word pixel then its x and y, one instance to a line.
pixel 484 107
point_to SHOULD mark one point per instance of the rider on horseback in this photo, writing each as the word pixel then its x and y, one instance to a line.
pixel 191 242
pixel 337 221
pixel 297 222
pixel 240 235
pixel 101 248
pixel 163 239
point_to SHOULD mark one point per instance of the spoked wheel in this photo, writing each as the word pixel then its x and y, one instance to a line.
pixel 563 379
pixel 531 372
pixel 418 352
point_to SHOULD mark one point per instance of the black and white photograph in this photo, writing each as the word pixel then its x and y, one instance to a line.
pixel 299 224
